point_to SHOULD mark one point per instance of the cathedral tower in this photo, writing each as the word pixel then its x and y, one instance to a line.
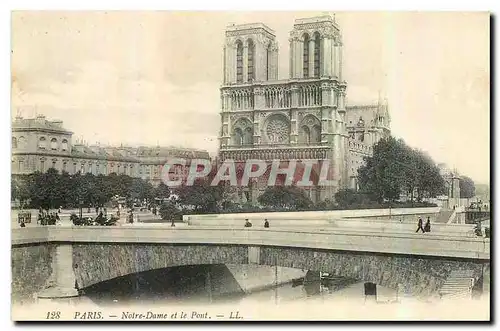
pixel 296 119
pixel 250 54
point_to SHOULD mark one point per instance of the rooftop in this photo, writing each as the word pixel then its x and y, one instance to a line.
pixel 317 19
pixel 39 122
pixel 249 26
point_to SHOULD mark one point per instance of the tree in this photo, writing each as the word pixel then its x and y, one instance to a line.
pixel 349 197
pixel 140 190
pixel 467 187
pixel 20 188
pixel 162 191
pixel 285 197
pixel 46 190
pixel 169 211
pixel 394 168
pixel 382 175
pixel 202 197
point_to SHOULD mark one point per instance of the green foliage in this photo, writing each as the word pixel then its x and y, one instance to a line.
pixel 169 211
pixel 162 191
pixel 349 197
pixel 285 197
pixel 467 187
pixel 201 197
pixel 51 190
pixel 396 168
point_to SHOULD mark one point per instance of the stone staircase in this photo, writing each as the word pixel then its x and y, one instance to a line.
pixel 458 285
pixel 444 215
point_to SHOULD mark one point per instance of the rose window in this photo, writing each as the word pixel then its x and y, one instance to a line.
pixel 278 130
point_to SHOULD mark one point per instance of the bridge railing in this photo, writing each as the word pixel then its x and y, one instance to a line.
pixel 474 216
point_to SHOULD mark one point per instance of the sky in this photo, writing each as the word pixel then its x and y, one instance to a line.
pixel 147 78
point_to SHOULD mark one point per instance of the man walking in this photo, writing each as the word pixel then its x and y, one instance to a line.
pixel 420 227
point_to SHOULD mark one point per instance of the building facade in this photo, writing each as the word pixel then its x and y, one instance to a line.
pixel 39 144
pixel 303 117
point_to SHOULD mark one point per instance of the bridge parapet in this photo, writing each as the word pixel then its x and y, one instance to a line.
pixel 321 215
pixel 394 243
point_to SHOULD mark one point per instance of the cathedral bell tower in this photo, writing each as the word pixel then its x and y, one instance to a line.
pixel 250 54
pixel 316 58
pixel 299 119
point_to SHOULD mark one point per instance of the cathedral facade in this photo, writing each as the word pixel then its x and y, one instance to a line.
pixel 302 117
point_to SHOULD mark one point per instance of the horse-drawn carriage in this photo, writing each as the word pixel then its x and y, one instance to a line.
pixel 99 220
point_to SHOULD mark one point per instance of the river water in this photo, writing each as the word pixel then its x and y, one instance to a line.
pixel 188 285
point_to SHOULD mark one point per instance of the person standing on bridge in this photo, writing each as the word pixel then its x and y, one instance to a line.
pixel 248 224
pixel 266 223
pixel 427 226
pixel 420 225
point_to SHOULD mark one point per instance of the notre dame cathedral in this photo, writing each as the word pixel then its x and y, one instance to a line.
pixel 302 117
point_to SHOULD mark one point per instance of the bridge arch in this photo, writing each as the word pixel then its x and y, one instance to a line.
pixel 95 263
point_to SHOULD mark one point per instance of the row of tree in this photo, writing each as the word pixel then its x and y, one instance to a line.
pixel 393 169
pixel 52 190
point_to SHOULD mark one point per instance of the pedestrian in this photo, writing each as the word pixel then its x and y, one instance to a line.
pixel 248 224
pixel 22 224
pixel 97 210
pixel 427 226
pixel 420 223
pixel 173 222
pixel 266 223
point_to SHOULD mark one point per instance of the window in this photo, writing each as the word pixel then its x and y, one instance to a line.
pixel 251 59
pixel 82 168
pixel 305 66
pixel 74 168
pixel 239 62
pixel 64 145
pixel 21 165
pixel 238 137
pixel 97 169
pixel 21 142
pixel 14 142
pixel 42 143
pixel 53 144
pixel 42 165
pixel 64 166
pixel 54 164
pixel 317 43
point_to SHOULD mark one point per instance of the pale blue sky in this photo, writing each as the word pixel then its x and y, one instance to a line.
pixel 153 77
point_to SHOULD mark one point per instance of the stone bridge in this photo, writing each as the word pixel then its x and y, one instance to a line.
pixel 87 256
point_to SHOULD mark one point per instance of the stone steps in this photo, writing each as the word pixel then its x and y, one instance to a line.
pixel 458 284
